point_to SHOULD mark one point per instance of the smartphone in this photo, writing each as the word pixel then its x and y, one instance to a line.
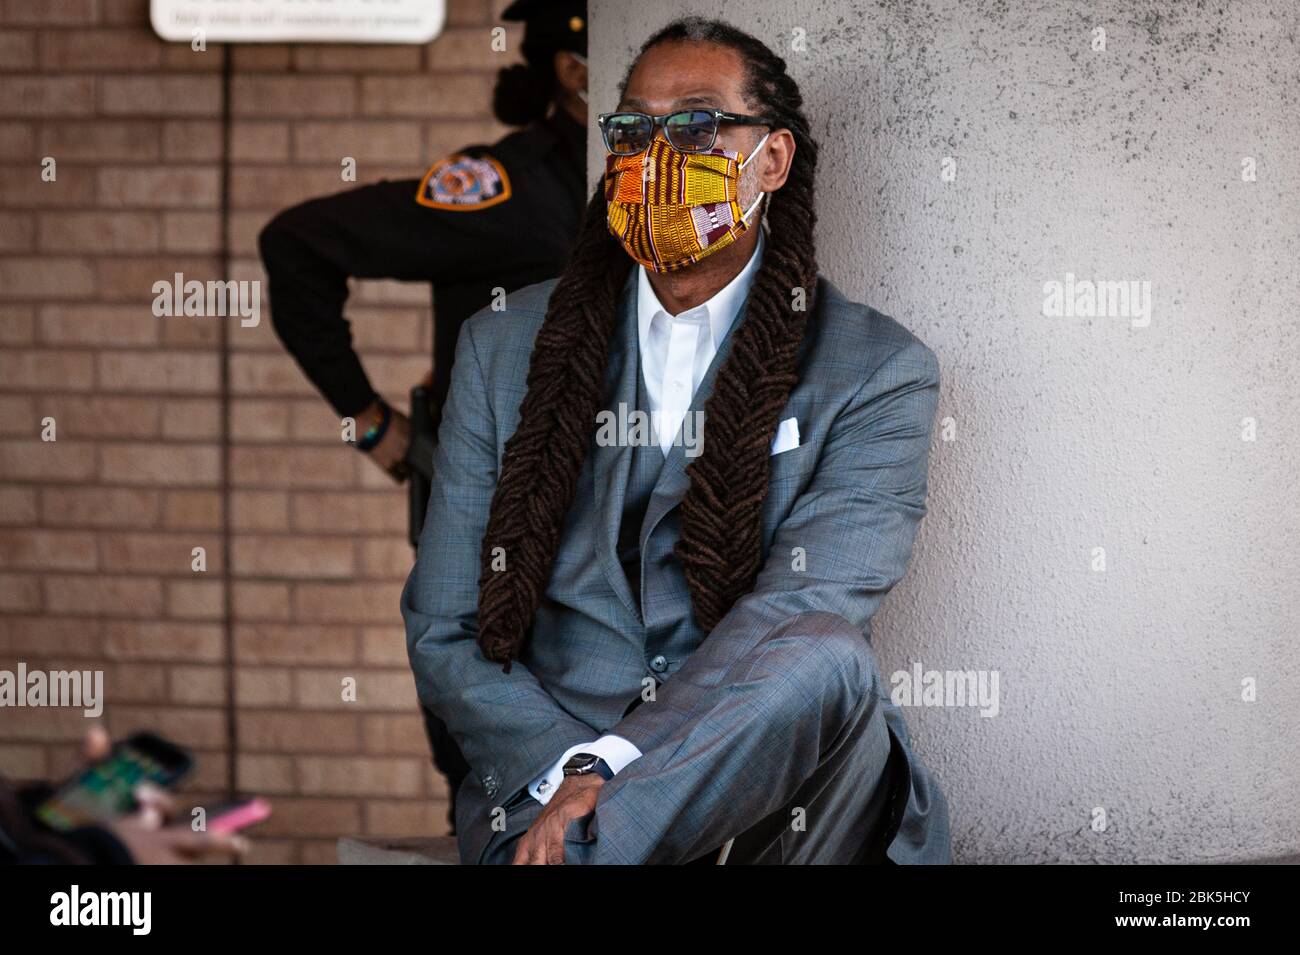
pixel 106 789
pixel 234 816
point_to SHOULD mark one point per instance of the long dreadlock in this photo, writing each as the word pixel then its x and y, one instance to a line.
pixel 721 540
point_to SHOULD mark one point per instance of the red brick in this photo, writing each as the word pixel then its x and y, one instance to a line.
pixel 18 505
pixel 196 599
pixel 100 141
pixel 40 549
pixel 107 416
pixel 292 96
pixel 21 187
pixel 253 141
pixel 140 96
pixel 259 421
pixel 100 50
pixel 386 557
pixel 188 726
pixel 62 12
pixel 17 324
pixel 105 595
pixel 384 646
pixel 298 644
pixel 17 232
pixel 307 817
pixel 164 640
pixel 47 96
pixel 157 552
pixel 469 50
pixel 135 683
pixel 192 510
pixel 258 601
pixel 198 685
pixel 310 558
pixel 39 370
pixel 353 58
pixel 22 761
pixel 391 734
pixel 459 95
pixel 406 818
pixel 262 686
pixel 275 374
pixel 191 232
pixel 352 603
pixel 266 774
pixel 19 593
pixel 346 511
pixel 18 415
pixel 291 467
pixel 260 58
pixel 46 277
pixel 299 732
pixel 44 460
pixel 259 510
pixel 17 50
pixel 17 141
pixel 185 187
pixel 374 689
pixel 192 419
pixel 159 371
pixel 359 775
pixel 382 142
pixel 196 465
pixel 99 507
pixel 51 636
pixel 193 140
pixel 95 324
pixel 99 232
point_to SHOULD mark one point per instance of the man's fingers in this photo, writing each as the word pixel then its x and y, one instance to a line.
pixel 524 849
pixel 197 844
pixel 97 745
pixel 155 805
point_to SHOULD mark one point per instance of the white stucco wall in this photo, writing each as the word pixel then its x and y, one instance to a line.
pixel 1119 689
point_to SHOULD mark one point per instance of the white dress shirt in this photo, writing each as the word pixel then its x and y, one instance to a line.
pixel 676 351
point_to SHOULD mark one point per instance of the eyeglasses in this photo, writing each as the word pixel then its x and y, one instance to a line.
pixel 689 130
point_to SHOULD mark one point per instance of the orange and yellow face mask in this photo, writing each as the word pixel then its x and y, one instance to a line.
pixel 670 209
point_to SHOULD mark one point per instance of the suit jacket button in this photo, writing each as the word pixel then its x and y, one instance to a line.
pixel 659 664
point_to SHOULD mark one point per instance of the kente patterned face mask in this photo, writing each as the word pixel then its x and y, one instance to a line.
pixel 670 209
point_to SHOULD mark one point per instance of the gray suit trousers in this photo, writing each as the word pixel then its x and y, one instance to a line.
pixel 781 745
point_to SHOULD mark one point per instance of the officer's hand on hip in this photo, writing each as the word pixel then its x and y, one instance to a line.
pixel 390 452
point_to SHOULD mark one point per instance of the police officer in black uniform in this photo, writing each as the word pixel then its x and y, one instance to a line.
pixel 484 218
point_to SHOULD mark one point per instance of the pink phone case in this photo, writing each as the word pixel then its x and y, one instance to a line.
pixel 240 817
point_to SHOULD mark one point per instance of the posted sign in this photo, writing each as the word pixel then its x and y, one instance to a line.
pixel 320 21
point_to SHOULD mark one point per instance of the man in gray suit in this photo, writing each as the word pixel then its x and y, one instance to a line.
pixel 671 490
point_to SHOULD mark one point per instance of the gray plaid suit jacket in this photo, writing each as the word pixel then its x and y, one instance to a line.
pixel 851 496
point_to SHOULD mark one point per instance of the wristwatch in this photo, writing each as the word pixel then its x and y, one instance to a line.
pixel 582 763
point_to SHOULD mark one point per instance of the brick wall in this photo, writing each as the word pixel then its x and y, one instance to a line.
pixel 97 527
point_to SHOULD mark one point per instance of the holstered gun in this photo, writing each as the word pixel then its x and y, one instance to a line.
pixel 419 458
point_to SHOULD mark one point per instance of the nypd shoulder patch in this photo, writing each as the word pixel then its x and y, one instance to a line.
pixel 464 183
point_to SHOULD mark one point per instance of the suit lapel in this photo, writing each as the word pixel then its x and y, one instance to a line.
pixel 611 462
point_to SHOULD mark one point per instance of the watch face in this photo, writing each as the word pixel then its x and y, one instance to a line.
pixel 580 763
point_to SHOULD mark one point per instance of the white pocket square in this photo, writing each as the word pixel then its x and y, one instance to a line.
pixel 787 436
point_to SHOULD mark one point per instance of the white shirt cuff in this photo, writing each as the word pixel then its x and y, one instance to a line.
pixel 614 750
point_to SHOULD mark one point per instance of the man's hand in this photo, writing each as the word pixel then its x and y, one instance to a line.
pixel 543 843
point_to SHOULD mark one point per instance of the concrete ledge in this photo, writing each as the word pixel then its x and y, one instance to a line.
pixel 439 851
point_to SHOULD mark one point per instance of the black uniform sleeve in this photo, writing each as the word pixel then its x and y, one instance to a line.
pixel 376 231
